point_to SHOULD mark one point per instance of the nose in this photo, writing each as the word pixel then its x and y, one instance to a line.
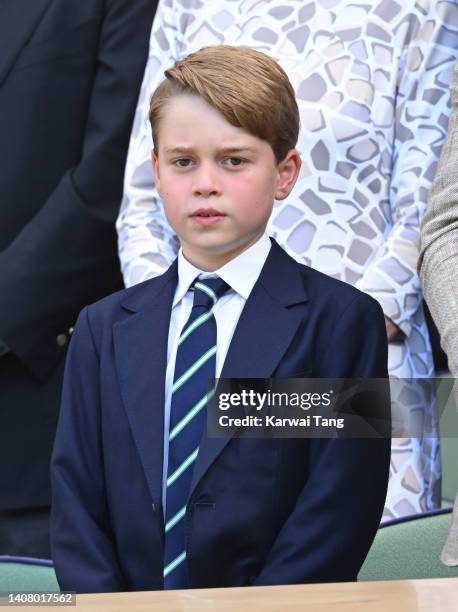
pixel 206 181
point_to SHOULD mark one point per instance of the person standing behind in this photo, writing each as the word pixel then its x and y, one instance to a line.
pixel 70 72
pixel 371 83
pixel 438 267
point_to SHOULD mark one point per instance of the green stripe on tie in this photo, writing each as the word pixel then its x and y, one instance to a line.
pixel 186 463
pixel 194 325
pixel 192 413
pixel 193 369
pixel 175 563
pixel 174 520
pixel 207 290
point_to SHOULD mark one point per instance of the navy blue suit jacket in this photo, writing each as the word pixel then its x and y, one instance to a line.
pixel 70 73
pixel 260 511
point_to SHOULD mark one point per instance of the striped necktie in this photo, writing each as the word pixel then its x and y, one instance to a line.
pixel 194 367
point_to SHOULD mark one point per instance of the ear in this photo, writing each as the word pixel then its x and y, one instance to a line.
pixel 288 171
pixel 155 163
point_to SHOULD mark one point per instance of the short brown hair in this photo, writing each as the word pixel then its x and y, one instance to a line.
pixel 247 87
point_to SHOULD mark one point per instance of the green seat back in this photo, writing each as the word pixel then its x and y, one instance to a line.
pixel 410 549
pixel 449 447
pixel 16 576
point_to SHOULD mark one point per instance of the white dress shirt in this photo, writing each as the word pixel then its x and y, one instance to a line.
pixel 240 274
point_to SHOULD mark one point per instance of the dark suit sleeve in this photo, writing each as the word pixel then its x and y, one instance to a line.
pixel 65 257
pixel 330 531
pixel 82 550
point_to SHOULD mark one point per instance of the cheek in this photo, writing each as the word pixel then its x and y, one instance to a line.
pixel 261 186
pixel 255 197
pixel 176 192
pixel 246 191
pixel 171 209
pixel 174 195
pixel 253 210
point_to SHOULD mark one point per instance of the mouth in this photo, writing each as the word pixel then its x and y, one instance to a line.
pixel 207 212
pixel 207 216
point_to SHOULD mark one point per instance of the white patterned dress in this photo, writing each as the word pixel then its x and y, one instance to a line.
pixel 371 79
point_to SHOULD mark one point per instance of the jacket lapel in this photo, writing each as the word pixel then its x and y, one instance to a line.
pixel 265 330
pixel 263 334
pixel 140 344
pixel 17 23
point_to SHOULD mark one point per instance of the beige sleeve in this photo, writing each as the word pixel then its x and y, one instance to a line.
pixel 438 263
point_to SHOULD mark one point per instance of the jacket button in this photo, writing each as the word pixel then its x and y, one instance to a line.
pixel 61 340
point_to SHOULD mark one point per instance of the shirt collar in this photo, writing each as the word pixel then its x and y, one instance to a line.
pixel 241 273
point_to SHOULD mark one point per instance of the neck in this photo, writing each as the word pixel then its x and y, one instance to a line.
pixel 209 262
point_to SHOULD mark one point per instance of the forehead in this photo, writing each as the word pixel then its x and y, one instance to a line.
pixel 187 120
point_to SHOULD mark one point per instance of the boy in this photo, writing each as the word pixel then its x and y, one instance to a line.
pixel 142 498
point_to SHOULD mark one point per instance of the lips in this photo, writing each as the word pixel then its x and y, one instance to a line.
pixel 207 217
pixel 207 212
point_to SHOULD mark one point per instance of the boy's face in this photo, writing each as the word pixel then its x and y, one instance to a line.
pixel 218 182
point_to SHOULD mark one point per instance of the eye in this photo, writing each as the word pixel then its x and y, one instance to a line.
pixel 182 162
pixel 235 161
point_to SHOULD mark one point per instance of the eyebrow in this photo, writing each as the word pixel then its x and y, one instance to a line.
pixel 226 150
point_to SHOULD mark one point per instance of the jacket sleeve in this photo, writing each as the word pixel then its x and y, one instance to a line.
pixel 331 528
pixel 438 265
pixel 84 555
pixel 66 254
pixel 147 244
pixel 420 115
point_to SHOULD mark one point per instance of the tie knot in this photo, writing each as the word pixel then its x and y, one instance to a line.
pixel 208 290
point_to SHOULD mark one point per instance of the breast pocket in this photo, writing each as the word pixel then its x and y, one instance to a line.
pixel 300 374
